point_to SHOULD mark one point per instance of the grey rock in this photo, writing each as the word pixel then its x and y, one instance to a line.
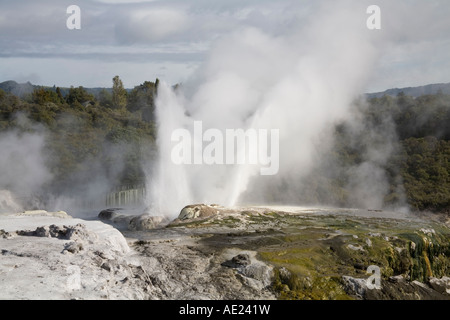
pixel 78 231
pixel 440 285
pixel 197 211
pixel 241 260
pixel 73 247
pixel 108 214
pixel 354 286
pixel 42 231
pixel 141 222
pixel 6 235
pixel 50 267
pixel 258 271
pixel 146 222
pixel 397 279
pixel 428 231
pixel 285 274
pixel 185 262
pixel 374 234
pixel 355 247
pixel 254 274
pixel 107 266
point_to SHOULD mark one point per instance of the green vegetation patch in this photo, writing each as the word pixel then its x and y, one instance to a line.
pixel 310 260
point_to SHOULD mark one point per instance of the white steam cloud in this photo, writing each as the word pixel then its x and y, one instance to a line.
pixel 29 165
pixel 22 169
pixel 300 83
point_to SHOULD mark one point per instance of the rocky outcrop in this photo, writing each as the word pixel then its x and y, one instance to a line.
pixel 256 274
pixel 395 288
pixel 399 288
pixel 198 211
pixel 210 215
pixel 140 222
pixel 440 285
pixel 45 257
pixel 146 222
pixel 77 232
pixel 44 213
pixel 182 269
pixel 323 255
pixel 66 259
pixel 355 287
pixel 212 252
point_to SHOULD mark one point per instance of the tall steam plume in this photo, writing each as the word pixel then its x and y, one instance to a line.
pixel 300 83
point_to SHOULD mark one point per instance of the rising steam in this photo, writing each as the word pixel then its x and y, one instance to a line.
pixel 24 170
pixel 301 83
pixel 299 80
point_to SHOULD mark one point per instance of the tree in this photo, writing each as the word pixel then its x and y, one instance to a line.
pixel 119 94
pixel 78 96
pixel 105 98
pixel 141 99
pixel 60 96
pixel 42 96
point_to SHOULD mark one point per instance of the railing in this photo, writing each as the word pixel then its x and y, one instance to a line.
pixel 120 197
pixel 125 197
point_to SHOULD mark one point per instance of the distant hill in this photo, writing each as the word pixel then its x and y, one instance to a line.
pixel 414 91
pixel 17 89
pixel 22 89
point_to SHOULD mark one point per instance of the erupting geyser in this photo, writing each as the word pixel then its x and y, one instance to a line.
pixel 298 83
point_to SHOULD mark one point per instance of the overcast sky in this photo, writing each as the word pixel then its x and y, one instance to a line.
pixel 168 39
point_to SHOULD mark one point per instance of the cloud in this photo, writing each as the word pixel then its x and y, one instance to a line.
pixel 177 28
pixel 123 1
pixel 415 42
pixel 151 24
pixel 65 72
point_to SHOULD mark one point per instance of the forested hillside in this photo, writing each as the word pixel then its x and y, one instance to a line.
pixel 105 137
pixel 110 133
pixel 423 157
pixel 399 146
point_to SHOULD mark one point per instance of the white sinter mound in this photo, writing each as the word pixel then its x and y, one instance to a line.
pixel 53 256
